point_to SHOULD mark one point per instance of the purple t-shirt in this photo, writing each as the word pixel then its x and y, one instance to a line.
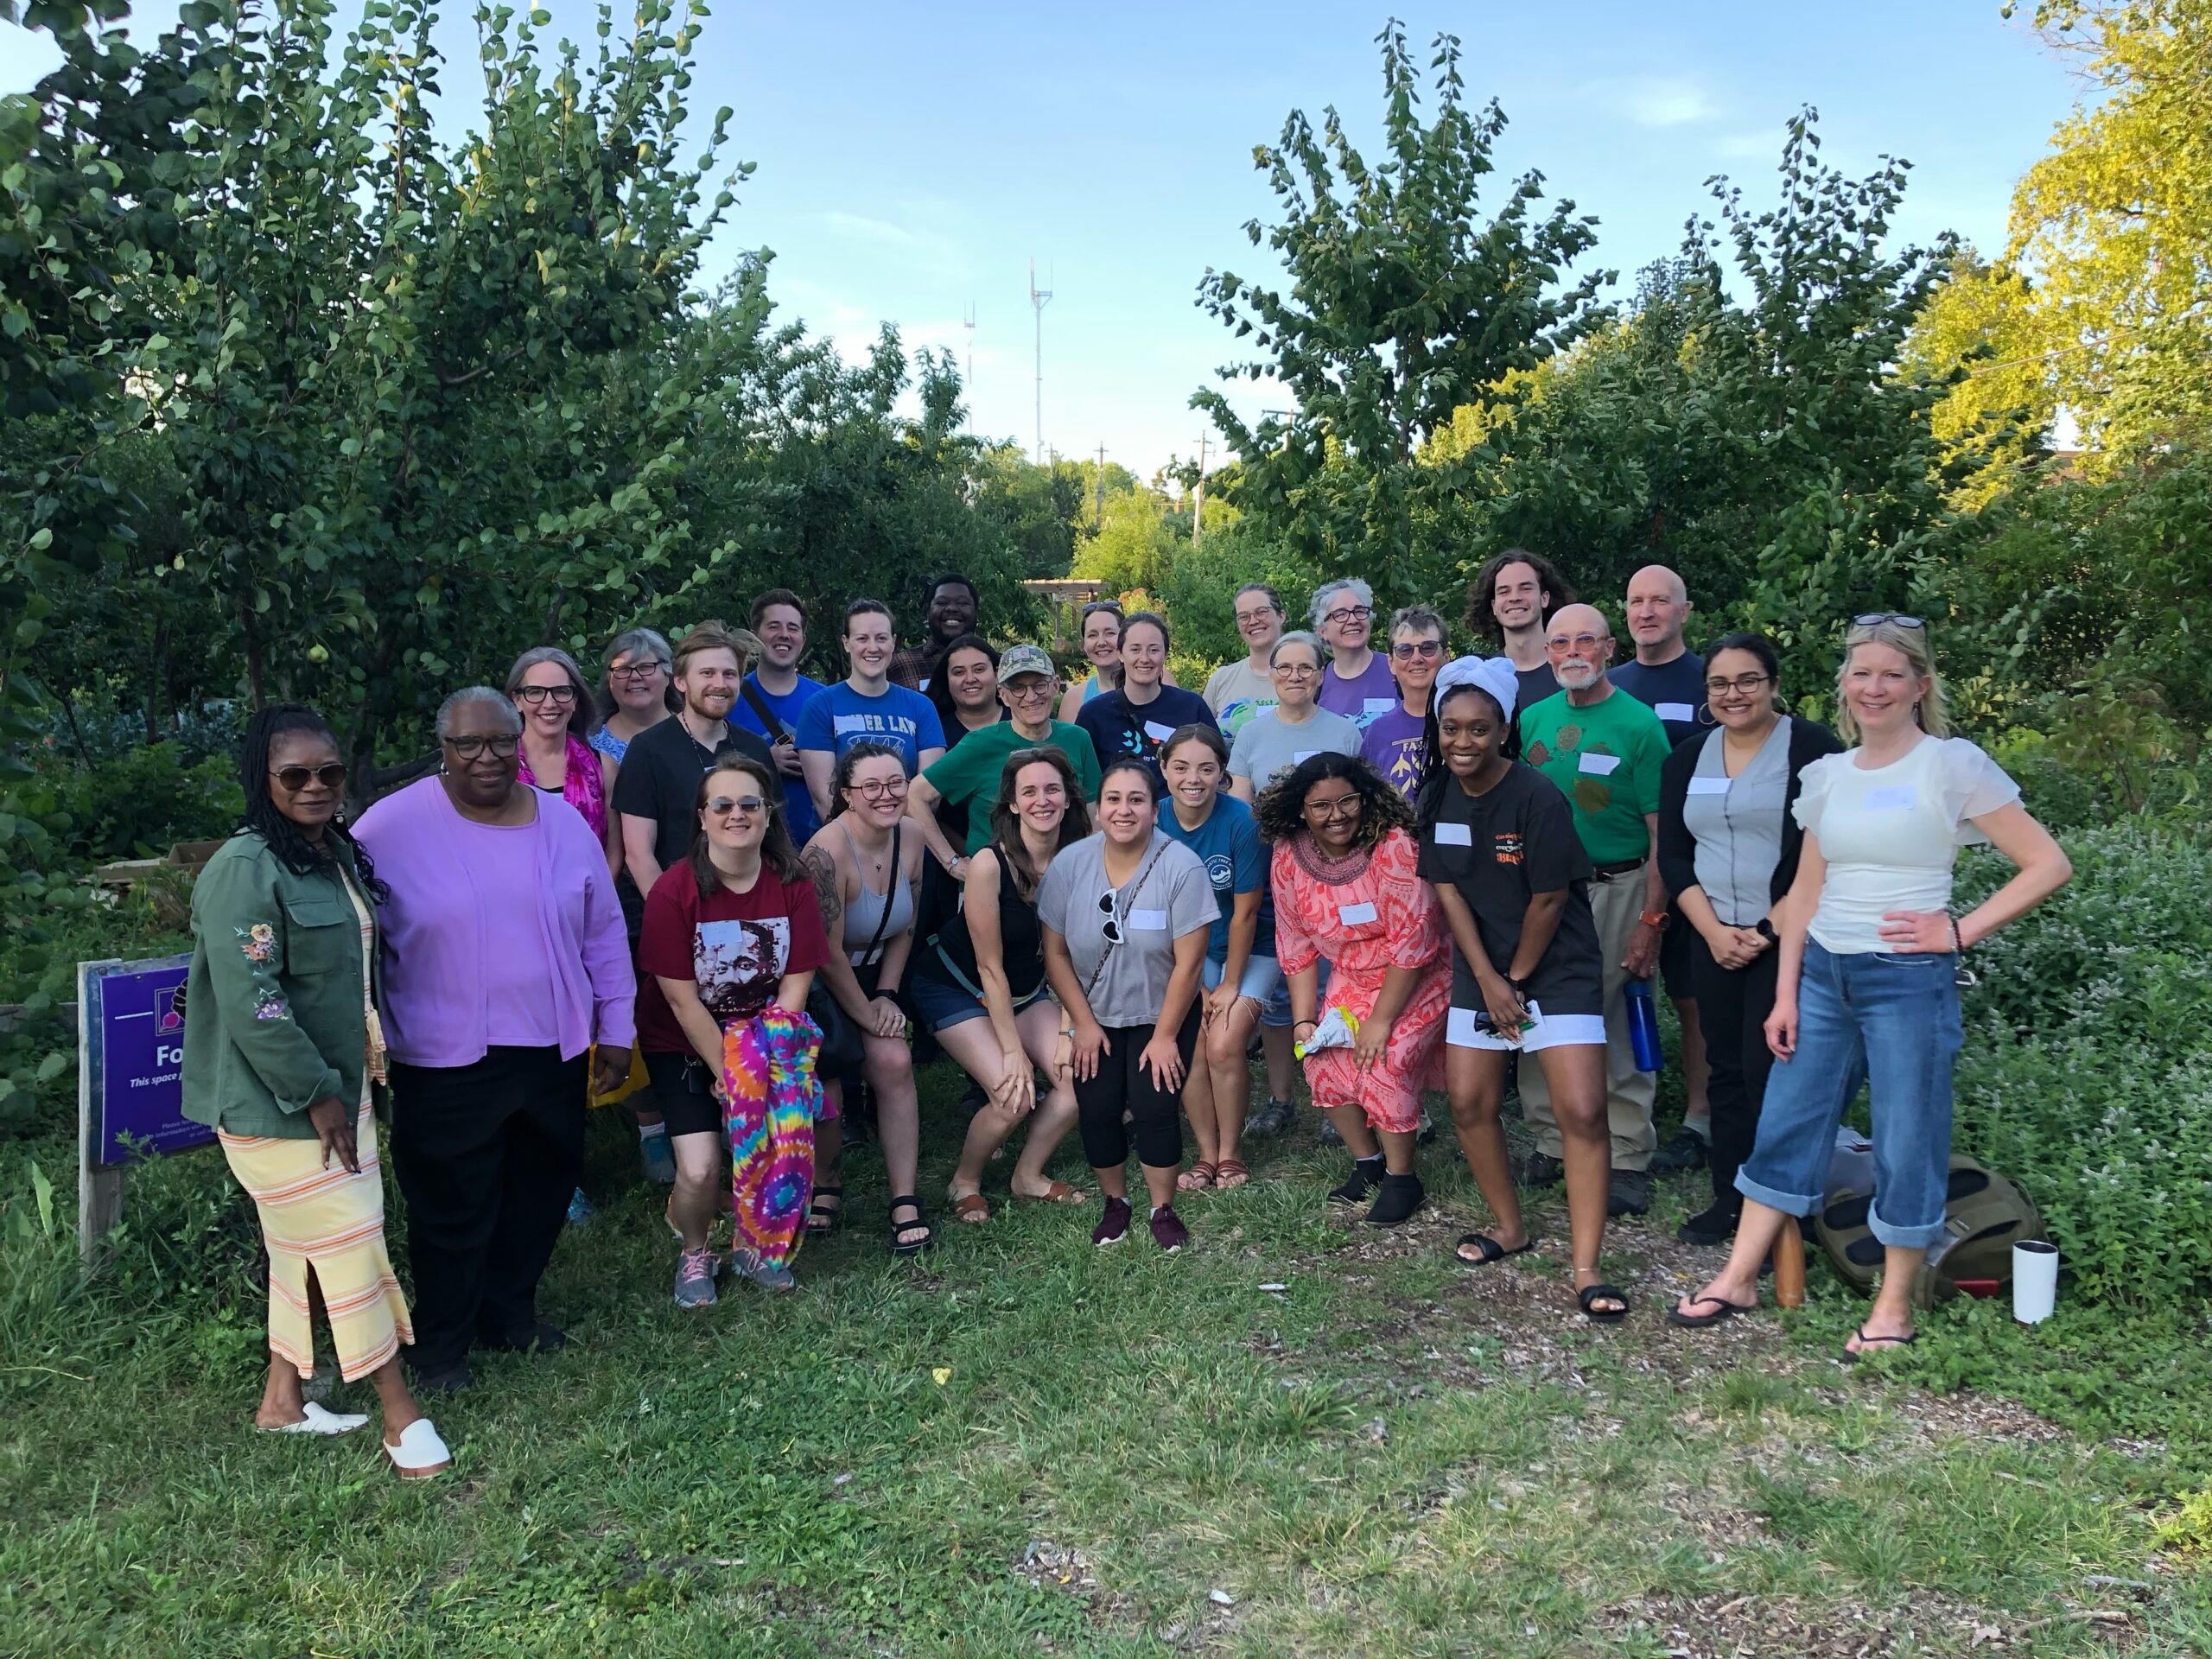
pixel 1365 699
pixel 1393 744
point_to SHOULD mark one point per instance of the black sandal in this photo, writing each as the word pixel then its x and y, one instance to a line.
pixel 1866 1342
pixel 910 1246
pixel 1493 1251
pixel 1602 1292
pixel 1722 1309
pixel 820 1218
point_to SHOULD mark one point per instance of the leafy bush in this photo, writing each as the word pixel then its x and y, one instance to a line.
pixel 144 801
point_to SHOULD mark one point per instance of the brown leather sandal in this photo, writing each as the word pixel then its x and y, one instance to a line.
pixel 973 1208
pixel 1198 1178
pixel 1230 1174
pixel 1057 1193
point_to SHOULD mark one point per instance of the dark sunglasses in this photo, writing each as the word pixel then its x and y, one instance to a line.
pixel 1875 618
pixel 294 778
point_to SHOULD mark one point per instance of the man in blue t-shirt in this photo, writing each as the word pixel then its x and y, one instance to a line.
pixel 775 694
pixel 865 704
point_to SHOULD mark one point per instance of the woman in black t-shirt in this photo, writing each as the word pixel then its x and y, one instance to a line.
pixel 1498 845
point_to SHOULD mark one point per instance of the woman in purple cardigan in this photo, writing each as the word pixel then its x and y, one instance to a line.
pixel 504 959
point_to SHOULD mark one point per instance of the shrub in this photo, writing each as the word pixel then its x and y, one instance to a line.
pixel 142 802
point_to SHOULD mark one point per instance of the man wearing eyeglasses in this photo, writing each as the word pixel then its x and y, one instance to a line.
pixel 967 777
pixel 658 782
pixel 775 694
pixel 1603 749
pixel 1396 742
pixel 1356 683
pixel 1669 678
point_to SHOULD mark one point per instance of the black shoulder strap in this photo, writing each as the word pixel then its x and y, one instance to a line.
pixel 759 705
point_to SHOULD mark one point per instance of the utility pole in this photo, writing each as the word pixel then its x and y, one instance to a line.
pixel 1098 511
pixel 1039 299
pixel 1199 495
pixel 968 323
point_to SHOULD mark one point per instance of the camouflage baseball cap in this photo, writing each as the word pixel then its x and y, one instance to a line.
pixel 1024 659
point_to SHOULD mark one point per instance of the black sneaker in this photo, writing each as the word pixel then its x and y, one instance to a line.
pixel 1630 1193
pixel 1687 1150
pixel 1716 1225
pixel 442 1379
pixel 541 1338
pixel 1426 1137
pixel 1271 1120
pixel 1398 1196
pixel 1541 1169
pixel 1366 1175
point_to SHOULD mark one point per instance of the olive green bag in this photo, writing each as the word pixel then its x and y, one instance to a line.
pixel 1984 1216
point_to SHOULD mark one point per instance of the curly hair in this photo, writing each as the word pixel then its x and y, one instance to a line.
pixel 293 849
pixel 868 749
pixel 1005 821
pixel 1280 809
pixel 1482 622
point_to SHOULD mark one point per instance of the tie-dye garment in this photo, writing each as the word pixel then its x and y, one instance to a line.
pixel 773 1098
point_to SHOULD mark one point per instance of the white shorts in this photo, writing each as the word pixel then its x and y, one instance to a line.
pixel 1262 974
pixel 1560 1031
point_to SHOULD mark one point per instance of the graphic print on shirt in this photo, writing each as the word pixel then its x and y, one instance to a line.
pixel 1221 871
pixel 1507 847
pixel 737 965
pixel 897 730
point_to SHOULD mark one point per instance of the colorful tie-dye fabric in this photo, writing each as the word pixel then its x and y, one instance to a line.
pixel 773 1098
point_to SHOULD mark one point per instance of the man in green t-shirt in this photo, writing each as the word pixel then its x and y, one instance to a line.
pixel 1603 748
pixel 966 775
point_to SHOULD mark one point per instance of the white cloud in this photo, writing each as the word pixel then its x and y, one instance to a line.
pixel 1657 100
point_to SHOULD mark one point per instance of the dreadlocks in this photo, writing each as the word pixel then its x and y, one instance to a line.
pixel 294 850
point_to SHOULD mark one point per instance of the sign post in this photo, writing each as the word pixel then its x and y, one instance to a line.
pixel 130 1081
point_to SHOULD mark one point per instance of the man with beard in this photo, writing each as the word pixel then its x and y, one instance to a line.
pixel 775 693
pixel 1508 602
pixel 1603 749
pixel 656 790
pixel 951 608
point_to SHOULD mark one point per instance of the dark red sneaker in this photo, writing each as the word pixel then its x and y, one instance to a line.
pixel 1114 1226
pixel 1169 1231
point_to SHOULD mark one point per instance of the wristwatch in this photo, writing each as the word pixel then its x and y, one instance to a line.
pixel 1654 919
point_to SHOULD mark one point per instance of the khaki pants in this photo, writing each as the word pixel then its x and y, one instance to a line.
pixel 1614 904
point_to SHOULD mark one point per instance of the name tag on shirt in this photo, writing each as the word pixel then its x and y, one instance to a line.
pixel 1152 921
pixel 1454 834
pixel 1893 797
pixel 1379 705
pixel 1675 711
pixel 924 686
pixel 1709 786
pixel 1158 732
pixel 1353 915
pixel 1598 765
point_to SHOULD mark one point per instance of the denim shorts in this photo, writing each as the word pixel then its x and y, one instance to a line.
pixel 1891 1022
pixel 1263 978
pixel 937 1003
pixel 1275 1011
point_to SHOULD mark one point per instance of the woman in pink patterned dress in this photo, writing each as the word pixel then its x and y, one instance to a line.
pixel 1347 891
pixel 557 717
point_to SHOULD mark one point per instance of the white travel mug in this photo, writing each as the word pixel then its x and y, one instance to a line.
pixel 2035 1281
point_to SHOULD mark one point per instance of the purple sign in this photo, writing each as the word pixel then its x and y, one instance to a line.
pixel 133 1064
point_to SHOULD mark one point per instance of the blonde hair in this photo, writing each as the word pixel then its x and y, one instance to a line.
pixel 1932 711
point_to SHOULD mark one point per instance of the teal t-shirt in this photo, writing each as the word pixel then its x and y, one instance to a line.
pixel 967 774
pixel 1605 759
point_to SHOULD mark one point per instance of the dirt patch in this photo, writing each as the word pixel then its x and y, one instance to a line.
pixel 1750 1627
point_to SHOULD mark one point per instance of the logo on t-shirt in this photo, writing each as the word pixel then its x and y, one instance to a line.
pixel 1506 846
pixel 1221 870
pixel 737 965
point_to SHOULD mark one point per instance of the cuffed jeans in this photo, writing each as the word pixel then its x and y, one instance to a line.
pixel 1891 1022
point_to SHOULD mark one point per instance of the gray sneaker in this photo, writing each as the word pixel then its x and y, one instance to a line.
pixel 768 1278
pixel 1271 1120
pixel 1687 1150
pixel 1541 1170
pixel 694 1279
pixel 1630 1193
pixel 1328 1134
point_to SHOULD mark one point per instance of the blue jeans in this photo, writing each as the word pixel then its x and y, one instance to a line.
pixel 1869 1017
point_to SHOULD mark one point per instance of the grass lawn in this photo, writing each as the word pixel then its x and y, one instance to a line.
pixel 1301 1436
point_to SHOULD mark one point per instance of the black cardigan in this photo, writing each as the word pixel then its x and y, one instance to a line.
pixel 1678 847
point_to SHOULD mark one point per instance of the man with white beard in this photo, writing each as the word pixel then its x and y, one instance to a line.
pixel 1603 749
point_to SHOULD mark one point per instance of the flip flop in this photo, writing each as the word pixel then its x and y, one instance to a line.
pixel 420 1454
pixel 319 1422
pixel 1722 1309
pixel 1602 1292
pixel 1491 1250
pixel 1058 1192
pixel 1866 1341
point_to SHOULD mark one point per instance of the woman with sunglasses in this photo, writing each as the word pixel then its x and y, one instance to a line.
pixel 558 717
pixel 965 688
pixel 1395 743
pixel 1729 847
pixel 866 865
pixel 1101 640
pixel 1347 889
pixel 1126 915
pixel 504 962
pixel 1277 739
pixel 730 931
pixel 1871 953
pixel 634 690
pixel 978 984
pixel 282 1050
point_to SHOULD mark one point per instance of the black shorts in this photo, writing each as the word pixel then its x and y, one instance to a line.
pixel 683 1090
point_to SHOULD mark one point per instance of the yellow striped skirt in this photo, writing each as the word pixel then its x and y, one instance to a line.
pixel 326 1223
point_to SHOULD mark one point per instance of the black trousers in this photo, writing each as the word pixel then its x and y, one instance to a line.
pixel 1121 1085
pixel 1733 1004
pixel 486 1156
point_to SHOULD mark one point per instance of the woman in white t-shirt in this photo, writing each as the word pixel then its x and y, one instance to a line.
pixel 1237 691
pixel 1867 987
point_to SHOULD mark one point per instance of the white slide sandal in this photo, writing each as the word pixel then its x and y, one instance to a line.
pixel 420 1454
pixel 319 1422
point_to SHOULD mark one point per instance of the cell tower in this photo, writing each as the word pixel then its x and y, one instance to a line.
pixel 1039 299
pixel 968 323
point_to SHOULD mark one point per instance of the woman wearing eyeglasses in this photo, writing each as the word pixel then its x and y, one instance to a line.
pixel 1866 989
pixel 281 1048
pixel 731 933
pixel 634 690
pixel 1126 915
pixel 1279 738
pixel 1729 843
pixel 1396 743
pixel 1236 691
pixel 504 961
pixel 557 719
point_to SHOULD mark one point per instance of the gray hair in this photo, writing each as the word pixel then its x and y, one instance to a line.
pixel 1328 590
pixel 583 713
pixel 468 697
pixel 633 643
pixel 1298 637
pixel 1421 618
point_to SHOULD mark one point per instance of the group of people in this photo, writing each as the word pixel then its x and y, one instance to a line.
pixel 737 900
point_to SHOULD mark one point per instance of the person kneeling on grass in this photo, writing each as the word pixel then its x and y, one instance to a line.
pixel 729 932
pixel 1499 850
pixel 1347 888
pixel 1125 914
pixel 978 984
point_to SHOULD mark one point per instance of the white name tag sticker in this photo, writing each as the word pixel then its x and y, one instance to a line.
pixel 1708 785
pixel 1598 766
pixel 1158 732
pixel 1353 915
pixel 1152 921
pixel 1675 711
pixel 847 724
pixel 1892 798
pixel 1379 705
pixel 925 686
pixel 1454 834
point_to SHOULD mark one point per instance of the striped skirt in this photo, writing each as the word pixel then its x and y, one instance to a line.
pixel 330 1223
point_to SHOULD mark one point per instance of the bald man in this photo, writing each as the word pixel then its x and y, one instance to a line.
pixel 1669 677
pixel 1603 749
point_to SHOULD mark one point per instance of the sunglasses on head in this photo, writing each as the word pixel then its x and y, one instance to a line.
pixel 1896 618
pixel 294 778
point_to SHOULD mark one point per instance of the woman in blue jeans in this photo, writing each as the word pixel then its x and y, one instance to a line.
pixel 1866 989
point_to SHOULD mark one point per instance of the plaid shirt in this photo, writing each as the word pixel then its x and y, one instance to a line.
pixel 912 665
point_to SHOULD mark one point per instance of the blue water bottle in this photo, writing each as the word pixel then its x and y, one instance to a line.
pixel 1644 1027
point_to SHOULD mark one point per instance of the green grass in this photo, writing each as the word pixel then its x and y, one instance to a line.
pixel 1022 1445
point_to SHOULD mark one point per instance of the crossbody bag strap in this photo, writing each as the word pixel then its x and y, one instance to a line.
pixel 759 705
pixel 1135 887
pixel 883 916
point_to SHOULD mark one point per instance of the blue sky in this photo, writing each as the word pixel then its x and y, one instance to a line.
pixel 912 159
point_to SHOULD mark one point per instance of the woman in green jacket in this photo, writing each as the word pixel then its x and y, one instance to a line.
pixel 281 1049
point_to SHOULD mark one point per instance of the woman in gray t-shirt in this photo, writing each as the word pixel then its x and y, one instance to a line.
pixel 1271 743
pixel 1126 914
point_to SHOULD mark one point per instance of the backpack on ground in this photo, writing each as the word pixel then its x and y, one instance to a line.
pixel 1984 1216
